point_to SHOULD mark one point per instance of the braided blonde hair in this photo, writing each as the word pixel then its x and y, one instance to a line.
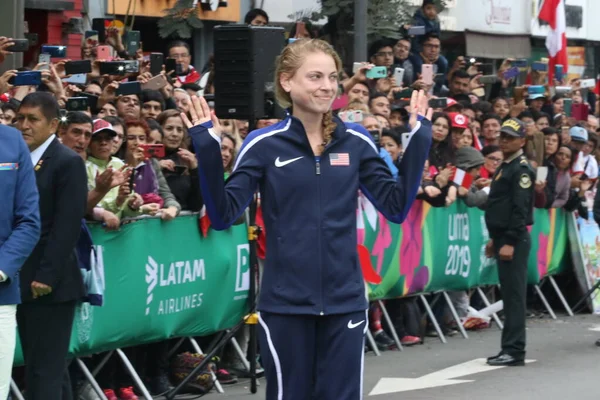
pixel 290 60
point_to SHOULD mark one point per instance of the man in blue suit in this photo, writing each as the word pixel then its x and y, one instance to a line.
pixel 19 233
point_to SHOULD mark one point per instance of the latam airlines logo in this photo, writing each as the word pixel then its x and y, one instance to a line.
pixel 175 273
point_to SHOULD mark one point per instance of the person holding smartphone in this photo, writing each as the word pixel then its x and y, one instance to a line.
pixel 309 168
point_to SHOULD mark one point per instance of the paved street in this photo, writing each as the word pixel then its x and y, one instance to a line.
pixel 566 366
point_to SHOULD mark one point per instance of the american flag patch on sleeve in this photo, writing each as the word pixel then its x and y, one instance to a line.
pixel 339 159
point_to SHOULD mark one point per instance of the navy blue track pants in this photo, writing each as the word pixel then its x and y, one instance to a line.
pixel 313 357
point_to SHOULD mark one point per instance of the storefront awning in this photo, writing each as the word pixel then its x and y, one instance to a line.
pixel 497 46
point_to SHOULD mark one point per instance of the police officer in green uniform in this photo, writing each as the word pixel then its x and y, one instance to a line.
pixel 509 211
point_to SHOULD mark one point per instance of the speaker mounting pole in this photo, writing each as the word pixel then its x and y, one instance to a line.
pixel 360 30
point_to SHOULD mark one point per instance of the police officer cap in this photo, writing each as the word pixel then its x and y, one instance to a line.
pixel 513 127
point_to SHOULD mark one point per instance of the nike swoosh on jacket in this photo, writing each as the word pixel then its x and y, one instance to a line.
pixel 309 206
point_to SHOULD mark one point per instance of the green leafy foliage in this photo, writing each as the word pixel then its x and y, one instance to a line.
pixel 180 21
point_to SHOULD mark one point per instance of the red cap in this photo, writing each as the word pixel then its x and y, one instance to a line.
pixel 459 120
pixel 450 102
pixel 101 125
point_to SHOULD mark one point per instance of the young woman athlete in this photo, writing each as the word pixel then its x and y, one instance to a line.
pixel 309 168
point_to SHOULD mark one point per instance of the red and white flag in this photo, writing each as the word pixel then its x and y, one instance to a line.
pixel 203 222
pixel 461 178
pixel 477 142
pixel 553 12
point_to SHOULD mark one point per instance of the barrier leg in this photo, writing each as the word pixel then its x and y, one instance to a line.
pixel 389 322
pixel 102 363
pixel 372 343
pixel 90 379
pixel 560 296
pixel 240 353
pixel 176 347
pixel 14 389
pixel 459 324
pixel 487 304
pixel 134 375
pixel 212 374
pixel 546 304
pixel 433 320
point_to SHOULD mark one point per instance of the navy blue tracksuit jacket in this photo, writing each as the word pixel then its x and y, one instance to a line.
pixel 309 206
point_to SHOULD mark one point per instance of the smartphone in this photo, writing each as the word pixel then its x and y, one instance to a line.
pixel 351 116
pixel 179 69
pixel 427 74
pixel 170 65
pixel 132 42
pixel 92 100
pixel 291 40
pixel 580 112
pixel 112 68
pixel 103 53
pixel 156 83
pixel 567 105
pixel 541 174
pixel 44 58
pixel 539 66
pixel 377 72
pixel 180 169
pixel 433 171
pixel 399 75
pixel 511 73
pixel 416 31
pixel 77 104
pixel 584 177
pixel 587 83
pixel 128 88
pixel 131 66
pixel 403 94
pixel 19 46
pixel 55 51
pixel 33 38
pixel 79 79
pixel 26 78
pixel 376 137
pixel 558 72
pixel 488 79
pixel 153 150
pixel 78 67
pixel 99 25
pixel 156 63
pixel 520 63
pixel 441 102
pixel 356 66
pixel 405 140
pixel 563 89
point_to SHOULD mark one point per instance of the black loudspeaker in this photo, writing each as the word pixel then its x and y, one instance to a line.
pixel 244 71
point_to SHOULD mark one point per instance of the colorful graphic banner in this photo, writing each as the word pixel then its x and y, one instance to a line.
pixel 163 280
pixel 589 236
pixel 444 248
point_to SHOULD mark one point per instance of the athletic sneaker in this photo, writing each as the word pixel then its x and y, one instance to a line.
pixel 383 341
pixel 110 394
pixel 225 378
pixel 127 394
pixel 410 340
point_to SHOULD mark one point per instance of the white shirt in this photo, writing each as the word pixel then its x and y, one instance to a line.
pixel 37 154
pixel 587 163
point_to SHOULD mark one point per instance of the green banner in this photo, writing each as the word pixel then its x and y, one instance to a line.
pixel 163 280
pixel 443 249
